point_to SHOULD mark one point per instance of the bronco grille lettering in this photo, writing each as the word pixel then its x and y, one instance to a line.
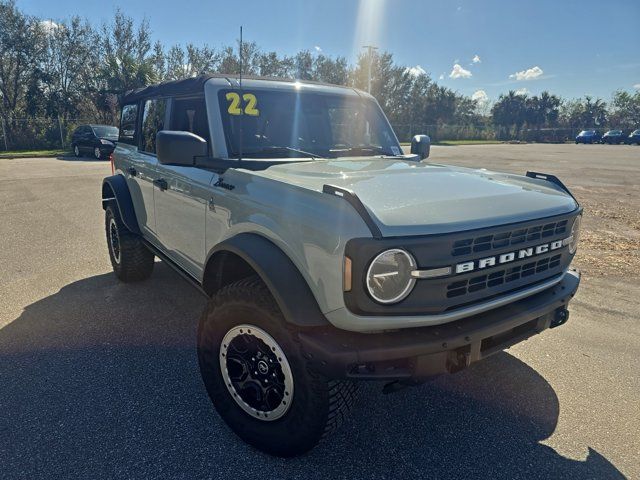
pixel 486 262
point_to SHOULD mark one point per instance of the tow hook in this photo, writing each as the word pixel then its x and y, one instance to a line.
pixel 559 318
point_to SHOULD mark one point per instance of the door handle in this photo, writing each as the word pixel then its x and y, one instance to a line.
pixel 132 171
pixel 161 183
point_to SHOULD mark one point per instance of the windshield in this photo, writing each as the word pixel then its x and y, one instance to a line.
pixel 586 133
pixel 296 124
pixel 105 131
pixel 615 132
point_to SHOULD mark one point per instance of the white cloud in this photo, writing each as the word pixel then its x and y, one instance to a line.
pixel 522 91
pixel 49 26
pixel 318 49
pixel 476 59
pixel 459 72
pixel 528 74
pixel 637 86
pixel 441 77
pixel 416 71
pixel 480 96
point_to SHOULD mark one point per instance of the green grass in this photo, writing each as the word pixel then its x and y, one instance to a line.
pixel 32 153
pixel 459 142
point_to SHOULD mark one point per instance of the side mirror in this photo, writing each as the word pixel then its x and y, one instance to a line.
pixel 179 148
pixel 421 146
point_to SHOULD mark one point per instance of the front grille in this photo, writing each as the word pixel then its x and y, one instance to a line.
pixel 501 277
pixel 448 293
pixel 506 239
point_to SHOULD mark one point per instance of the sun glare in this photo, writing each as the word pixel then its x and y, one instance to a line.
pixel 368 29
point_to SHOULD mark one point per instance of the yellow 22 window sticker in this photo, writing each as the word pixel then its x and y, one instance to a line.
pixel 234 104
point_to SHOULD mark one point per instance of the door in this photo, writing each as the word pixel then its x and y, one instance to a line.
pixel 139 169
pixel 83 138
pixel 181 200
pixel 182 193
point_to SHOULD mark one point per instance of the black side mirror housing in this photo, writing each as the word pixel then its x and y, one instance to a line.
pixel 179 148
pixel 421 146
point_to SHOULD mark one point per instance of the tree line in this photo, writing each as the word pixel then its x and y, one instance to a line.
pixel 72 69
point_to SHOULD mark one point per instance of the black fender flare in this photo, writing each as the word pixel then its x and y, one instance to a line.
pixel 115 189
pixel 283 279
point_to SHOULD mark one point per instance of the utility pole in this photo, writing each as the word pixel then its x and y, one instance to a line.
pixel 4 135
pixel 60 129
pixel 370 49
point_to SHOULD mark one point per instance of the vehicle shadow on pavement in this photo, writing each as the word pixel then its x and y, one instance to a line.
pixel 100 380
pixel 85 158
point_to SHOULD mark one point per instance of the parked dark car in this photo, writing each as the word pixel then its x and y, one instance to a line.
pixel 588 136
pixel 96 140
pixel 613 137
pixel 634 137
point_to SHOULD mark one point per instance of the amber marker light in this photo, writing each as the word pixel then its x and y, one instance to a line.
pixel 347 274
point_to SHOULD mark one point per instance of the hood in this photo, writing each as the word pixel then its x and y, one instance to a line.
pixel 407 197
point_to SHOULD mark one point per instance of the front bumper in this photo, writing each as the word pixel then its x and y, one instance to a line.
pixel 420 353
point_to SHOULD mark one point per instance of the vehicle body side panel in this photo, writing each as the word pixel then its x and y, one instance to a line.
pixel 180 212
pixel 140 171
pixel 311 228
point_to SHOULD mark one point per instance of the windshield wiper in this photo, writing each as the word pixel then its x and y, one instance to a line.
pixel 368 149
pixel 274 149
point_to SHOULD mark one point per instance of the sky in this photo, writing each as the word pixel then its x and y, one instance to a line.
pixel 477 47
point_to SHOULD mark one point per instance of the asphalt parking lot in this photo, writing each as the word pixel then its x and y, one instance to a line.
pixel 100 380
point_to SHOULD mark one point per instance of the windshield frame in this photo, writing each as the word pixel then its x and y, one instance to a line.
pixel 258 86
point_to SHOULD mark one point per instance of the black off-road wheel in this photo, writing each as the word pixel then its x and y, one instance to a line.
pixel 132 261
pixel 257 376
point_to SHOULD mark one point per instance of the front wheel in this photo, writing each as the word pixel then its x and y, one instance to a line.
pixel 131 260
pixel 97 153
pixel 76 151
pixel 258 378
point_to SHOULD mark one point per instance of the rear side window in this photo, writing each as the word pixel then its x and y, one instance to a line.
pixel 152 123
pixel 190 115
pixel 128 122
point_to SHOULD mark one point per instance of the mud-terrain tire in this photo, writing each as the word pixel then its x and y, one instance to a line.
pixel 317 405
pixel 132 261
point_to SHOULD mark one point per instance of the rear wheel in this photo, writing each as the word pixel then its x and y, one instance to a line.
pixel 132 261
pixel 258 378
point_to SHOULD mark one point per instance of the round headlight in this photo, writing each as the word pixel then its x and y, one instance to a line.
pixel 389 276
pixel 575 234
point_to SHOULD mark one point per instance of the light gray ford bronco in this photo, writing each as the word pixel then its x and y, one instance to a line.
pixel 327 255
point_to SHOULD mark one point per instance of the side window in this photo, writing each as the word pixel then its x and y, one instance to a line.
pixel 190 115
pixel 128 122
pixel 152 123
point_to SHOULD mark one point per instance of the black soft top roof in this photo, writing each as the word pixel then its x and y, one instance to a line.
pixel 195 85
pixel 175 87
